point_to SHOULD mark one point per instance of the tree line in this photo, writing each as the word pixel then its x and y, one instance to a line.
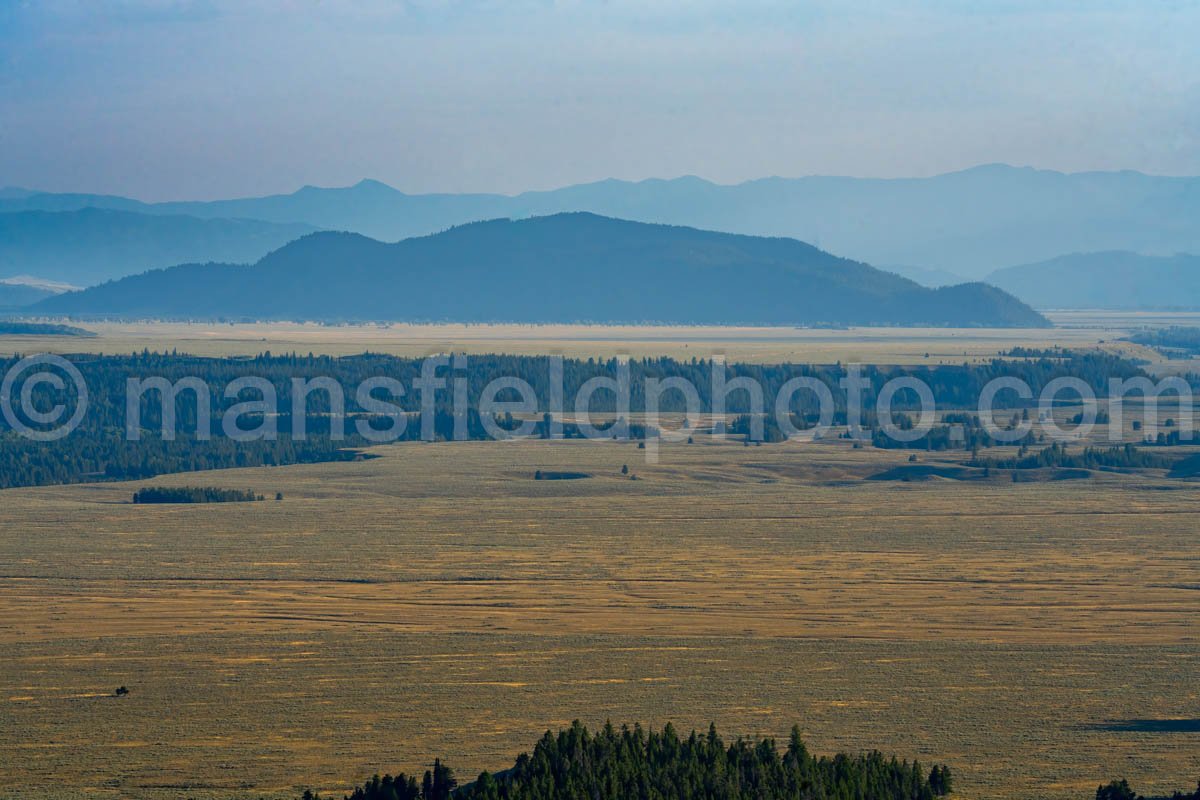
pixel 99 450
pixel 13 328
pixel 1121 790
pixel 1057 455
pixel 193 494
pixel 632 763
pixel 1174 342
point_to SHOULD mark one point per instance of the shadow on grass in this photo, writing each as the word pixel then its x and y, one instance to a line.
pixel 1149 726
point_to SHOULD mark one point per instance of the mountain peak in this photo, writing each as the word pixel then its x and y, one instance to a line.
pixel 370 184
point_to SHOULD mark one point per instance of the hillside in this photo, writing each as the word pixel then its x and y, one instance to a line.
pixel 969 222
pixel 1114 279
pixel 15 295
pixel 561 268
pixel 90 245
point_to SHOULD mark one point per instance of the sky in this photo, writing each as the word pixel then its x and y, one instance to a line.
pixel 221 98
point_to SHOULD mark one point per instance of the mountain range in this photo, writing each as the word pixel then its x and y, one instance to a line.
pixel 569 267
pixel 1106 280
pixel 18 295
pixel 967 223
pixel 88 245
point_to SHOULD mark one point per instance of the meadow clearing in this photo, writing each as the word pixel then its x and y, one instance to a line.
pixel 437 600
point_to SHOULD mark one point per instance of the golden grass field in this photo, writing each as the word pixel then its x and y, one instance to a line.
pixel 438 601
pixel 759 345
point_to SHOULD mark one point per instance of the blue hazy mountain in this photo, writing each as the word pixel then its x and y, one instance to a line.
pixel 933 278
pixel 89 245
pixel 14 295
pixel 967 223
pixel 574 267
pixel 1109 280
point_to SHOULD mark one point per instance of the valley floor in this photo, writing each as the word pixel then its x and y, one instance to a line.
pixel 1039 638
pixel 755 345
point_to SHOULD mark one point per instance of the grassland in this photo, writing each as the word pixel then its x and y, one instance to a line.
pixel 757 345
pixel 439 601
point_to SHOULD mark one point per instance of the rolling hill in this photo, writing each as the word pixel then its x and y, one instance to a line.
pixel 89 245
pixel 969 222
pixel 1107 280
pixel 560 268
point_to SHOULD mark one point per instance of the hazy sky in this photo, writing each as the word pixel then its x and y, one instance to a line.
pixel 215 98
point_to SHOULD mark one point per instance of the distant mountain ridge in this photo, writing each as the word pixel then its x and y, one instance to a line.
pixel 14 296
pixel 933 278
pixel 53 287
pixel 1106 280
pixel 573 267
pixel 19 291
pixel 89 245
pixel 969 222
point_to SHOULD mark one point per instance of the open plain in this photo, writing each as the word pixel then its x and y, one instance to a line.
pixel 437 600
pixel 747 344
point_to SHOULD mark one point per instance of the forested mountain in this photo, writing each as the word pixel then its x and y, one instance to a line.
pixel 91 245
pixel 968 222
pixel 1113 279
pixel 562 268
